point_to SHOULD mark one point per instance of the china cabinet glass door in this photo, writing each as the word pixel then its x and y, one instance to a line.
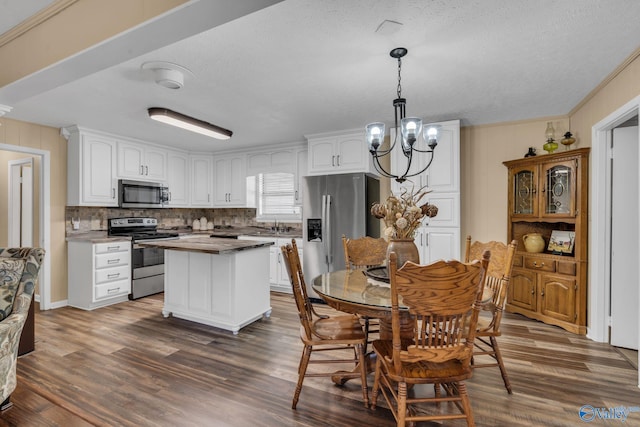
pixel 558 189
pixel 525 198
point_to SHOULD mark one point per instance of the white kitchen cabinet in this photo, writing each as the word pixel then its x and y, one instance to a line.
pixel 444 173
pixel 301 172
pixel 99 274
pixel 178 179
pixel 201 181
pixel 229 183
pixel 435 243
pixel 439 238
pixel 335 153
pixel 448 209
pixel 140 161
pixel 278 275
pixel 91 168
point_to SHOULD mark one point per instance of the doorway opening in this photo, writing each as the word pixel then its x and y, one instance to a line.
pixel 43 202
pixel 20 203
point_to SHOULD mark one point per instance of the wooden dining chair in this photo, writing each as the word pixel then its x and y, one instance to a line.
pixel 498 279
pixel 442 299
pixel 324 333
pixel 362 253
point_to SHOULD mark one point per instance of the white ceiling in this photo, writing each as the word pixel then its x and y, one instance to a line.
pixel 301 67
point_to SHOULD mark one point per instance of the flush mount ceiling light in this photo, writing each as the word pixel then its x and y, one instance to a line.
pixel 167 74
pixel 410 129
pixel 189 123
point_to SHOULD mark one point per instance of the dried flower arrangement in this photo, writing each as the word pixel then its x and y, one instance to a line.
pixel 402 215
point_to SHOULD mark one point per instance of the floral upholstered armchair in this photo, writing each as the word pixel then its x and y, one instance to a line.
pixel 19 269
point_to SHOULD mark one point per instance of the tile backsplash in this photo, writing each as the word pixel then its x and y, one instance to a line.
pixel 95 218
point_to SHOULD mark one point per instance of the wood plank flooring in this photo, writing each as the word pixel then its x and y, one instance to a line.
pixel 126 365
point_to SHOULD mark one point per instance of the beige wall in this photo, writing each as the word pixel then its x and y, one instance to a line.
pixel 46 138
pixel 483 177
pixel 80 25
pixel 484 148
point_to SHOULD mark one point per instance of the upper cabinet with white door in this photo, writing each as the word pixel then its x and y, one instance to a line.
pixel 444 173
pixel 338 152
pixel 439 237
pixel 201 180
pixel 91 168
pixel 229 182
pixel 141 161
pixel 178 178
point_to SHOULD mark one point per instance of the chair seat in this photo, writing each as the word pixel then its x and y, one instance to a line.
pixel 420 372
pixel 337 329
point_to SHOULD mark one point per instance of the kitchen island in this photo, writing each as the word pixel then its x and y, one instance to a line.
pixel 215 281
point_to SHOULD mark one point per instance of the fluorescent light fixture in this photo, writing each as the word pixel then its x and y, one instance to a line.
pixel 189 123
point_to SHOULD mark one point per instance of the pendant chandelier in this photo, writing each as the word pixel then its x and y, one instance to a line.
pixel 411 130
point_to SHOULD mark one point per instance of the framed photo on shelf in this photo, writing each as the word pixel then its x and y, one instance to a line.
pixel 562 241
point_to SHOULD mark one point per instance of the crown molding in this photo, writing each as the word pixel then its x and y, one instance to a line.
pixel 35 20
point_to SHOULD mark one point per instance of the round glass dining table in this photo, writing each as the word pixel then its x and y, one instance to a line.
pixel 352 291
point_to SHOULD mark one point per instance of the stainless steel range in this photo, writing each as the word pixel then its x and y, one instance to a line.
pixel 147 264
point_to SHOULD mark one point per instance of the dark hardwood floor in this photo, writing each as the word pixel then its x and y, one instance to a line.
pixel 126 365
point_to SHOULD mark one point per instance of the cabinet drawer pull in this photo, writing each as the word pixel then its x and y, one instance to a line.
pixel 533 291
pixel 333 160
pixel 113 290
pixel 542 293
pixel 112 248
pixel 113 261
pixel 113 276
pixel 141 170
pixel 338 159
pixel 535 264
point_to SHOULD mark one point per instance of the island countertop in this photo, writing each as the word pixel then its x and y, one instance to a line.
pixel 209 245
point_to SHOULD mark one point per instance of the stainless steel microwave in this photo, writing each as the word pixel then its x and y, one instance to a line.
pixel 142 194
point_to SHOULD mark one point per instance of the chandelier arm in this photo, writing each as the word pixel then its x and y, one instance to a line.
pixel 409 159
pixel 380 169
pixel 422 151
pixel 425 168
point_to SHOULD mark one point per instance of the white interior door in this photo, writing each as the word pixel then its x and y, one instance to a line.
pixel 20 220
pixel 624 238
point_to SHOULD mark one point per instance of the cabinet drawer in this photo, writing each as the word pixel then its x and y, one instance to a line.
pixel 541 264
pixel 108 290
pixel 112 274
pixel 115 259
pixel 566 267
pixel 103 248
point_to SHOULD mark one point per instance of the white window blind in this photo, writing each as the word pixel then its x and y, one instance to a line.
pixel 276 197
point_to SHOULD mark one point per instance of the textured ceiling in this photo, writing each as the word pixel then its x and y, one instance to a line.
pixel 305 66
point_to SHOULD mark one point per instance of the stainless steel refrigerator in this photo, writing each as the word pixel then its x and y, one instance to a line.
pixel 335 205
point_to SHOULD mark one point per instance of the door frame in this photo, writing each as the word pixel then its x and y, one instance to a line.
pixel 599 231
pixel 45 217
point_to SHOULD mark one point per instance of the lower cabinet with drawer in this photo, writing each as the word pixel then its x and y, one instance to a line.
pixel 546 287
pixel 99 273
pixel 278 276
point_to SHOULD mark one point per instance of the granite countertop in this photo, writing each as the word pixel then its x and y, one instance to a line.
pixel 234 232
pixel 210 245
pixel 96 237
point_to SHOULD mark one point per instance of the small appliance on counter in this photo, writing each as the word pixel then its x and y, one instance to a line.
pixel 147 264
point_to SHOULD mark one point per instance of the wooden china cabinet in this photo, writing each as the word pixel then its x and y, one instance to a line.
pixel 549 193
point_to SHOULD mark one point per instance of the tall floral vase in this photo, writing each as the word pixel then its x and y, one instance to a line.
pixel 405 249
